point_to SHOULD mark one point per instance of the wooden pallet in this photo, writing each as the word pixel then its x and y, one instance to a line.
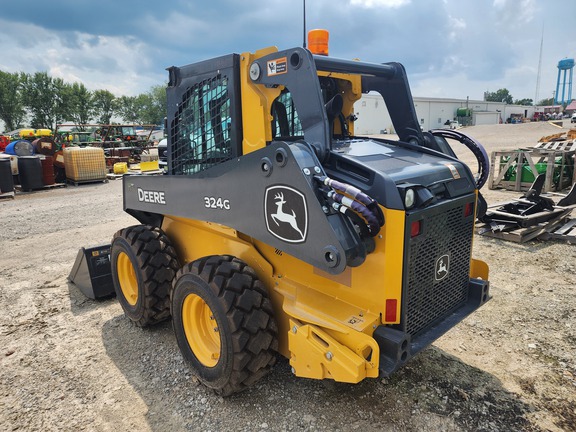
pixel 43 188
pixel 112 176
pixel 558 227
pixel 566 232
pixel 79 182
pixel 563 145
pixel 138 172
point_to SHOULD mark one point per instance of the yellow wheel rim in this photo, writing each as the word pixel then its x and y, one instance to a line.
pixel 127 278
pixel 201 330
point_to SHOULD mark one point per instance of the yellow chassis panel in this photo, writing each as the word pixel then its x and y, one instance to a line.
pixel 345 327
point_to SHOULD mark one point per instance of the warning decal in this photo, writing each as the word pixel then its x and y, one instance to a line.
pixel 277 67
pixel 353 320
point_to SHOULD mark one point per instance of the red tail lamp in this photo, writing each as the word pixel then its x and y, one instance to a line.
pixel 468 209
pixel 318 41
pixel 415 228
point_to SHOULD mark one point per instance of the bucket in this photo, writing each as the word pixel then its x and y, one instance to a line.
pixel 45 146
pixel 30 169
pixel 48 176
pixel 6 181
pixel 20 148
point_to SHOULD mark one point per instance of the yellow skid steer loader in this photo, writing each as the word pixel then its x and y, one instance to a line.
pixel 276 230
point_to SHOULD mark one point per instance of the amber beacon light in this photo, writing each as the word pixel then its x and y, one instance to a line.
pixel 318 41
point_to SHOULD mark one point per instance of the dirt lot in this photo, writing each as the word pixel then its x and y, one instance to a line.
pixel 70 363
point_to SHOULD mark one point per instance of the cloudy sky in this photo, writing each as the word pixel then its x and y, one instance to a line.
pixel 450 48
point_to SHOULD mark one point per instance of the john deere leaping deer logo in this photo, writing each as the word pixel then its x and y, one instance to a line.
pixel 286 213
pixel 442 266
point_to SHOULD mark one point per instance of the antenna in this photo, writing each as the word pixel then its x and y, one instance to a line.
pixel 539 67
pixel 304 15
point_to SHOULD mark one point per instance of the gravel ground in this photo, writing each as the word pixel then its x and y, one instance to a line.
pixel 70 363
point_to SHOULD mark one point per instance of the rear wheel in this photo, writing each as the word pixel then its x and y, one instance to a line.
pixel 224 324
pixel 143 266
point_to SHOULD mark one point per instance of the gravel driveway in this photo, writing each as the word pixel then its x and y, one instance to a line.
pixel 70 363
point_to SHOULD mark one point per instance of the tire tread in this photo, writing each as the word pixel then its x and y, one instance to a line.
pixel 249 314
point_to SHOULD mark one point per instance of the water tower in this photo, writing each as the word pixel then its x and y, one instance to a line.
pixel 566 66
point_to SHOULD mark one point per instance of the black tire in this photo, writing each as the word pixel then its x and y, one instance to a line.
pixel 143 266
pixel 245 346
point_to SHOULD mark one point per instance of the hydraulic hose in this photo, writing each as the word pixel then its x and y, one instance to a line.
pixel 355 193
pixel 367 214
pixel 360 203
pixel 474 146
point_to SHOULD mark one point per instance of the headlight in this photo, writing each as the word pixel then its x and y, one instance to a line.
pixel 409 198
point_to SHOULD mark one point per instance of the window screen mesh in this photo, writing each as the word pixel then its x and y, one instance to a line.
pixel 286 122
pixel 201 128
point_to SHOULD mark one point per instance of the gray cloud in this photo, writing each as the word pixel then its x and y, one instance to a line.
pixel 478 45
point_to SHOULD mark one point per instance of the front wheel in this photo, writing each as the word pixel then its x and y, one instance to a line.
pixel 143 266
pixel 224 324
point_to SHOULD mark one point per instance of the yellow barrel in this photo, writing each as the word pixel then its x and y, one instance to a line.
pixel 120 168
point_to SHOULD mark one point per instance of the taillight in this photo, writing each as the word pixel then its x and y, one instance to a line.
pixel 468 209
pixel 415 228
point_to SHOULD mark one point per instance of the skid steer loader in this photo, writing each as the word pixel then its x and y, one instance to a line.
pixel 276 230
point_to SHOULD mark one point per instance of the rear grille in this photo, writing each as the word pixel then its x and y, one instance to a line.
pixel 445 231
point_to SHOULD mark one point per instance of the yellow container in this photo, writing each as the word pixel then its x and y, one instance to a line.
pixel 43 132
pixel 84 164
pixel 27 133
pixel 120 168
pixel 149 166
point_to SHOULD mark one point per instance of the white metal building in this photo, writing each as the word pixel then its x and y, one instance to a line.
pixel 433 113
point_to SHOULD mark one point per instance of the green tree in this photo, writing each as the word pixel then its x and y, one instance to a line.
pixel 154 107
pixel 129 109
pixel 546 102
pixel 12 111
pixel 79 103
pixel 146 108
pixel 45 99
pixel 523 102
pixel 105 105
pixel 502 95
